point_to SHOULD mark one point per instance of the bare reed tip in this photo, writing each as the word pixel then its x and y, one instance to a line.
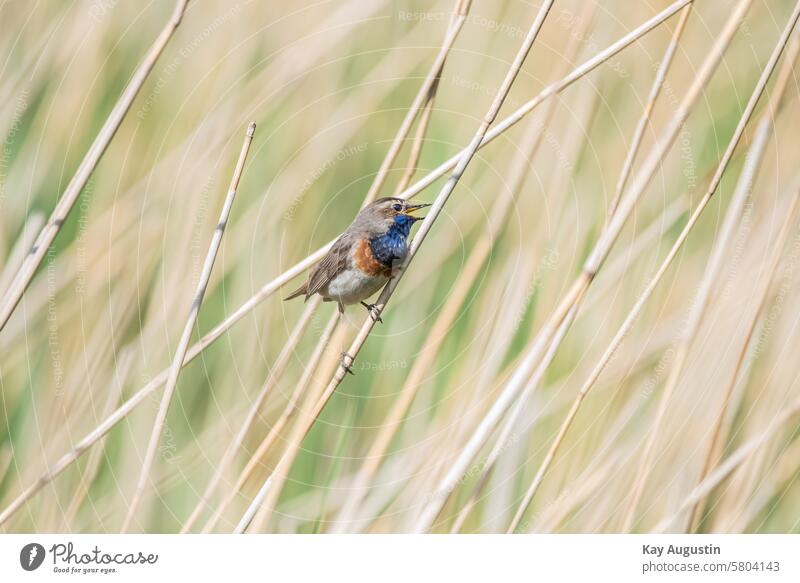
pixel 251 129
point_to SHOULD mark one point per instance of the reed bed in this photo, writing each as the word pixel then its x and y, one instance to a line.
pixel 596 331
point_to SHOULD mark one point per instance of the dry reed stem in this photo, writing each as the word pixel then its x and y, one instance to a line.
pixel 603 455
pixel 33 225
pixel 487 372
pixel 644 120
pixel 267 496
pixel 457 20
pixel 652 284
pixel 548 92
pixel 652 163
pixel 253 511
pixel 293 444
pixel 782 476
pixel 46 236
pixel 274 374
pixel 93 463
pixel 191 319
pixel 743 187
pixel 418 141
pixel 499 341
pixel 287 415
pixel 758 403
pixel 507 397
pixel 424 95
pixel 298 268
pixel 715 454
pixel 712 453
pixel 595 260
pixel 729 465
pixel 506 437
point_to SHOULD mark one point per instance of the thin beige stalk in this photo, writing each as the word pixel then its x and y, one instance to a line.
pixel 729 465
pixel 424 95
pixel 295 437
pixel 644 120
pixel 275 373
pixel 585 19
pixel 287 415
pixel 67 201
pixel 418 141
pixel 267 496
pixel 32 226
pixel 507 397
pixel 777 485
pixel 188 328
pixel 93 463
pixel 253 512
pixel 715 443
pixel 695 318
pixel 271 287
pixel 577 291
pixel 506 436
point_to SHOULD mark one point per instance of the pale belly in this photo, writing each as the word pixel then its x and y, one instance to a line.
pixel 352 286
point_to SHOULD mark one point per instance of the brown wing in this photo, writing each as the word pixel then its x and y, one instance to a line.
pixel 329 267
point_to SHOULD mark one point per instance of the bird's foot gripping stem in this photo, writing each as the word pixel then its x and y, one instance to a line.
pixel 346 361
pixel 373 311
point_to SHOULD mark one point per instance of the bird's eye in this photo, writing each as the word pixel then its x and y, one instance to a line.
pixel 397 206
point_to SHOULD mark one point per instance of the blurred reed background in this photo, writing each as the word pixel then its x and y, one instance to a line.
pixel 692 424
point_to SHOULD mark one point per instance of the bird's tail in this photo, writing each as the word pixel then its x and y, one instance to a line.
pixel 302 290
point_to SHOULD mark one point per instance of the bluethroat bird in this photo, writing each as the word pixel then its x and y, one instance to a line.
pixel 366 255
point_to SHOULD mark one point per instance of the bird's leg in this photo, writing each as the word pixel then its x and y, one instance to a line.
pixel 343 361
pixel 373 311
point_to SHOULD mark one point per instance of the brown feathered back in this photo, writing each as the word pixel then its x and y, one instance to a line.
pixel 324 271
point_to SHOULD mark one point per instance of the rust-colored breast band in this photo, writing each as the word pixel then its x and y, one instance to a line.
pixel 366 262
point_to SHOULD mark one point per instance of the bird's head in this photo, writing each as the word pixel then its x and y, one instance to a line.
pixel 386 212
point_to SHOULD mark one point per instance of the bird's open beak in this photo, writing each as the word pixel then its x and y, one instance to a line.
pixel 413 207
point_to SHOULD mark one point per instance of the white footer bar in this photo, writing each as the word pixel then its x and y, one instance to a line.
pixel 401 558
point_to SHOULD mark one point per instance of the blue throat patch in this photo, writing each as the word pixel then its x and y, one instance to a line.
pixel 392 246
